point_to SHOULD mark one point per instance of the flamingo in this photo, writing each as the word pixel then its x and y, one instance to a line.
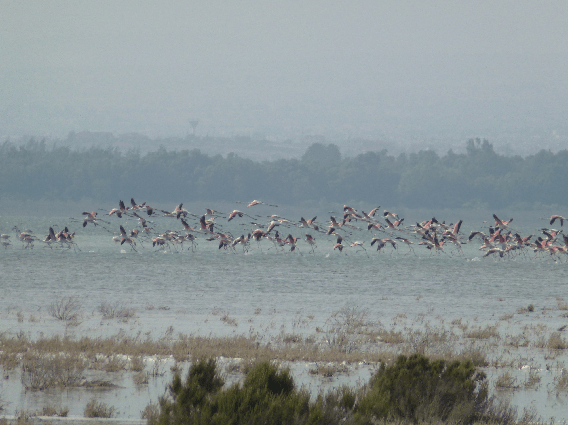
pixel 234 214
pixel 474 233
pixel 272 225
pixel 374 226
pixel 338 246
pixel 379 242
pixel 149 209
pixel 501 223
pixel 127 239
pixel 387 214
pixel 292 241
pixel 187 226
pixel 90 218
pixel 311 241
pixel 349 209
pixel 494 251
pixel 394 225
pixel 358 244
pixel 334 222
pixel 255 202
pixel 374 211
pixel 408 243
pixel 557 217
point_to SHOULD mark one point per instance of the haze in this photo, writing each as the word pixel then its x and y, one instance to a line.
pixel 392 70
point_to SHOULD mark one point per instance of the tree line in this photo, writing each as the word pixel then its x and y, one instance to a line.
pixel 478 178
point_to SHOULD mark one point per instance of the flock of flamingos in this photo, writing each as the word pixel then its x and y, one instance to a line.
pixel 353 231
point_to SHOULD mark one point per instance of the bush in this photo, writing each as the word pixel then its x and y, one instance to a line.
pixel 116 310
pixel 190 398
pixel 411 390
pixel 267 396
pixel 66 308
pixel 59 370
pixel 98 410
pixel 418 389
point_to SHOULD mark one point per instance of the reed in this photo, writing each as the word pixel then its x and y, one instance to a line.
pixel 483 333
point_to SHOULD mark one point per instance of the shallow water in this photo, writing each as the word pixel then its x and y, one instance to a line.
pixel 262 291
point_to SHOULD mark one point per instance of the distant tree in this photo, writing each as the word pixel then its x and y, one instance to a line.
pixel 322 153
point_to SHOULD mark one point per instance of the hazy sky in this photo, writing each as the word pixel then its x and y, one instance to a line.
pixel 393 69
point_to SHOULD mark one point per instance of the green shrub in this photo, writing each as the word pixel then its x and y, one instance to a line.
pixel 190 398
pixel 418 389
pixel 267 396
pixel 411 390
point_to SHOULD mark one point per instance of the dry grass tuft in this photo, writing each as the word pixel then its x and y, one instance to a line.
pixel 62 412
pixel 561 382
pixel 475 354
pixel 562 305
pixel 96 409
pixel 329 370
pixel 151 413
pixel 525 310
pixel 291 339
pixel 518 341
pixel 116 310
pixel 390 337
pixel 532 379
pixel 137 364
pixel 505 382
pixel 555 342
pixel 540 342
pixel 229 320
pixel 483 333
pixel 141 378
pixel 114 363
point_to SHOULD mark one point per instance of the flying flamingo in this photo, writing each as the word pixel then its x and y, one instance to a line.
pixel 311 241
pixel 387 214
pixel 557 217
pixel 338 246
pixel 374 211
pixel 408 243
pixel 358 244
pixel 494 251
pixel 501 223
pixel 379 242
pixel 293 243
pixel 116 211
pixel 90 218
pixel 234 214
pixel 127 239
pixel 255 202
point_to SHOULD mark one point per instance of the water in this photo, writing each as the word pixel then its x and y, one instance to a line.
pixel 268 292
